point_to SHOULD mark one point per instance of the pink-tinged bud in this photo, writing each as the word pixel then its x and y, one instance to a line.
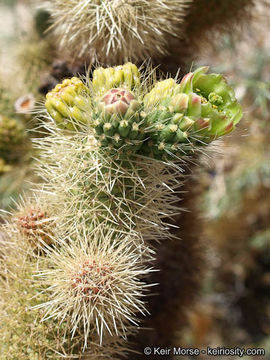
pixel 117 101
pixel 202 123
pixel 186 83
pixel 179 103
pixel 229 127
pixel 195 99
pixel 194 108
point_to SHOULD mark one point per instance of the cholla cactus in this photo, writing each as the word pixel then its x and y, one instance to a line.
pixel 117 186
pixel 110 30
pixel 33 222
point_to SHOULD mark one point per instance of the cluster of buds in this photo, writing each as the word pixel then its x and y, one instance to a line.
pixel 125 76
pixel 35 225
pixel 68 104
pixel 193 113
pixel 170 121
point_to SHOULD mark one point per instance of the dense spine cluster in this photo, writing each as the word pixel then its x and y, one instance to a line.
pixel 112 175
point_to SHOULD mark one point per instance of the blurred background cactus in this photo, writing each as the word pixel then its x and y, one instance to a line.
pixel 24 57
pixel 171 33
pixel 80 200
pixel 115 31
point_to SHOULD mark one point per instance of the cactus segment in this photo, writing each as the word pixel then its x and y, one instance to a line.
pixel 95 281
pixel 109 198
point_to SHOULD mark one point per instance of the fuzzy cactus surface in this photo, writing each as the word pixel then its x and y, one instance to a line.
pixel 112 170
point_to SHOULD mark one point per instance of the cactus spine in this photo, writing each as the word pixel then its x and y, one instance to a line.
pixel 112 187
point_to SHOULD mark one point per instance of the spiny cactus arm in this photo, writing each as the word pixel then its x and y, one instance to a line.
pixel 119 193
pixel 34 221
pixel 128 131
